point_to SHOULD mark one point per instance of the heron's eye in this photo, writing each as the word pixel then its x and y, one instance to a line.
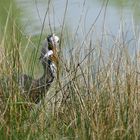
pixel 58 41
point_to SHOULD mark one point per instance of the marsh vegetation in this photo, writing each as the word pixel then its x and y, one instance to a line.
pixel 97 90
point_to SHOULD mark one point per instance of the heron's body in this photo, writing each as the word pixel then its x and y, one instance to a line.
pixel 35 89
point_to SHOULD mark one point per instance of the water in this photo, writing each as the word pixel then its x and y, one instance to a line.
pixel 122 11
pixel 80 14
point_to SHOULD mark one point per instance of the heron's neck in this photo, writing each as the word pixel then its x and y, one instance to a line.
pixel 49 70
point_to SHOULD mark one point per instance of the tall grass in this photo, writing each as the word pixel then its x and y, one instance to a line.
pixel 97 96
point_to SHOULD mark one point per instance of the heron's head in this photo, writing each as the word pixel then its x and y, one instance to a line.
pixel 53 48
pixel 53 42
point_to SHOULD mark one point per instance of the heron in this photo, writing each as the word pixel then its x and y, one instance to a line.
pixel 35 89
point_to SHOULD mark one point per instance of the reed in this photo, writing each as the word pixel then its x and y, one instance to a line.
pixel 96 95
